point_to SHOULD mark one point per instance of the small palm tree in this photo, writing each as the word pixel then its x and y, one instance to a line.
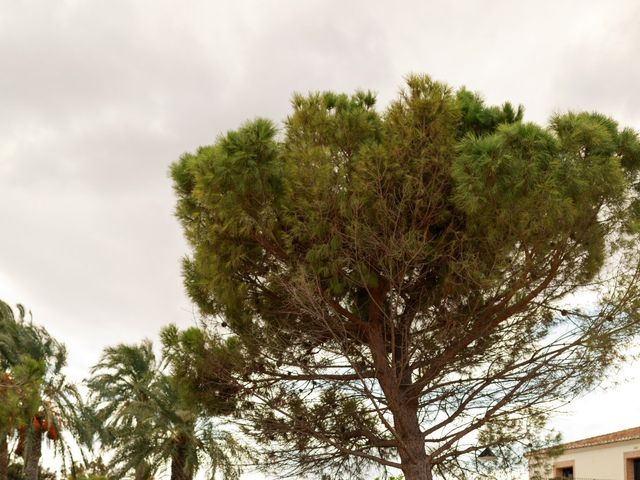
pixel 149 425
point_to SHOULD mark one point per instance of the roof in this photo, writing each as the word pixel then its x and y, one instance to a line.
pixel 620 436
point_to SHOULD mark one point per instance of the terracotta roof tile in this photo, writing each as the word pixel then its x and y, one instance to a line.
pixel 621 436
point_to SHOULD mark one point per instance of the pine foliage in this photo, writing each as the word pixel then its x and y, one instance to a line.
pixel 402 281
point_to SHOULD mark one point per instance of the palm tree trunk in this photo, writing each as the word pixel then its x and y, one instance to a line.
pixel 4 457
pixel 34 451
pixel 142 472
pixel 179 469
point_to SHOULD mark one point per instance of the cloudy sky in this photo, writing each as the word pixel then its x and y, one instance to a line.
pixel 98 98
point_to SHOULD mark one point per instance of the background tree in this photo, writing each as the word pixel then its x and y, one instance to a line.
pixel 12 389
pixel 122 390
pixel 148 423
pixel 40 402
pixel 19 397
pixel 408 284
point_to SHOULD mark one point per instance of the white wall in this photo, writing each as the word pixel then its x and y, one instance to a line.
pixel 602 462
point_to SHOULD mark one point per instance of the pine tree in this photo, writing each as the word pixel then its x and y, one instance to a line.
pixel 409 285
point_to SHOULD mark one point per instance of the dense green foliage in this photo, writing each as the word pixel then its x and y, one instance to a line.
pixel 404 282
pixel 201 361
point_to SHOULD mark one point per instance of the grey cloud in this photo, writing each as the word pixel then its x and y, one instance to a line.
pixel 602 72
pixel 98 98
pixel 94 132
pixel 97 102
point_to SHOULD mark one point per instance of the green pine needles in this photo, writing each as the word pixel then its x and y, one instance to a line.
pixel 405 282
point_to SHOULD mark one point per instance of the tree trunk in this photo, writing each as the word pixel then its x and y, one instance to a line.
pixel 4 457
pixel 413 457
pixel 414 472
pixel 33 453
pixel 179 470
pixel 396 384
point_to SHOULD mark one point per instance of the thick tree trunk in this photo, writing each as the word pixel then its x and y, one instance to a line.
pixel 414 459
pixel 415 464
pixel 4 457
pixel 33 453
pixel 415 472
pixel 395 381
pixel 179 469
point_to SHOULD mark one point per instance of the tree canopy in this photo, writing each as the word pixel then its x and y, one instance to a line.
pixel 413 284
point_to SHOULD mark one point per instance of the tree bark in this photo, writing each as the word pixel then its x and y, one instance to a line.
pixel 415 462
pixel 415 472
pixel 395 381
pixel 179 470
pixel 4 457
pixel 33 453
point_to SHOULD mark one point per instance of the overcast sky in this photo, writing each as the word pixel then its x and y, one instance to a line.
pixel 98 98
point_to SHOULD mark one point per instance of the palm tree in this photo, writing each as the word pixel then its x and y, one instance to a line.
pixel 149 425
pixel 122 388
pixel 42 399
pixel 60 407
pixel 20 378
pixel 19 397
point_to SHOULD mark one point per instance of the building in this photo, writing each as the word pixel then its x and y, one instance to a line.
pixel 614 456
